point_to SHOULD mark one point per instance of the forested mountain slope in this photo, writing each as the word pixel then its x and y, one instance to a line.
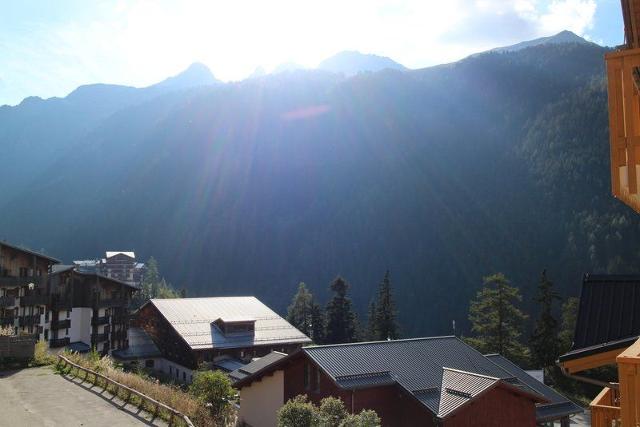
pixel 496 163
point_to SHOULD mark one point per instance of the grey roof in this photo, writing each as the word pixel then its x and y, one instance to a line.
pixel 608 316
pixel 414 364
pixel 60 268
pixel 228 364
pixel 141 346
pixel 79 347
pixel 192 319
pixel 460 387
pixel 256 365
pixel 558 406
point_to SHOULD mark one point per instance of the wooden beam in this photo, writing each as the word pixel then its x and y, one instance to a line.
pixel 592 361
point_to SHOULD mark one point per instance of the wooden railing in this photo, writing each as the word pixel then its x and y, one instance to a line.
pixel 173 414
pixel 605 409
pixel 629 377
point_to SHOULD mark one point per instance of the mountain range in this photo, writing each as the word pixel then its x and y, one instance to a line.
pixel 498 162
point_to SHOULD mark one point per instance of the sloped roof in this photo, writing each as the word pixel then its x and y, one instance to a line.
pixel 419 366
pixel 114 253
pixel 459 387
pixel 192 319
pixel 256 365
pixel 608 316
pixel 558 406
pixel 29 251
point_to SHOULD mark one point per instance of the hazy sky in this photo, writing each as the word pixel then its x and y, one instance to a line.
pixel 48 48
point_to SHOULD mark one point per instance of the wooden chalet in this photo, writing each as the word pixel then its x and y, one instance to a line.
pixel 219 333
pixel 438 381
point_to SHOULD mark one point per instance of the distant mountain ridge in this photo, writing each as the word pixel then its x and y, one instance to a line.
pixel 352 62
pixel 495 163
pixel 560 38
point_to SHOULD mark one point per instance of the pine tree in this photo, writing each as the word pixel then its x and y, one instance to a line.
pixel 544 340
pixel 151 280
pixel 299 313
pixel 496 321
pixel 386 326
pixel 341 325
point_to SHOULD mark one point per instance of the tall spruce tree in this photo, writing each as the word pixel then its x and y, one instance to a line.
pixel 496 321
pixel 317 324
pixel 568 324
pixel 341 321
pixel 372 324
pixel 544 340
pixel 386 326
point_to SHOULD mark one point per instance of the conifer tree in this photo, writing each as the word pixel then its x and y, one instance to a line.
pixel 544 340
pixel 372 325
pixel 299 313
pixel 496 321
pixel 341 321
pixel 317 324
pixel 568 324
pixel 386 326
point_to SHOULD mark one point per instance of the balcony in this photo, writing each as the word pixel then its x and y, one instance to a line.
pixel 29 320
pixel 96 338
pixel 59 342
pixel 61 324
pixel 605 409
pixel 112 302
pixel 97 321
pixel 7 301
pixel 11 282
pixel 34 300
pixel 60 302
pixel 120 318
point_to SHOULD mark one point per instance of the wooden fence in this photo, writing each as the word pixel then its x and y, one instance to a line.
pixel 173 414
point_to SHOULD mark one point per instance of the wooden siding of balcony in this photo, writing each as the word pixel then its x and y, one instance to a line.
pixel 605 409
pixel 629 377
pixel 96 321
pixel 7 301
pixel 61 324
pixel 59 342
pixel 12 281
pixel 29 300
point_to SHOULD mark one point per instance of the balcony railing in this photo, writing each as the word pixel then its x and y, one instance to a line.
pixel 120 318
pixel 29 320
pixel 59 342
pixel 7 301
pixel 34 300
pixel 118 335
pixel 97 321
pixel 10 281
pixel 60 302
pixel 605 409
pixel 61 324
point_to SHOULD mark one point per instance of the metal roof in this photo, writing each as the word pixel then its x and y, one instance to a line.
pixel 229 364
pixel 459 387
pixel 256 365
pixel 608 315
pixel 558 406
pixel 432 370
pixel 29 251
pixel 192 319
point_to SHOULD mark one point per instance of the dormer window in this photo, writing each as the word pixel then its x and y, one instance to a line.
pixel 235 326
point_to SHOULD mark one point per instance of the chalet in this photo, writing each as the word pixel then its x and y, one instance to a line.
pixel 119 265
pixel 88 310
pixel 219 333
pixel 438 381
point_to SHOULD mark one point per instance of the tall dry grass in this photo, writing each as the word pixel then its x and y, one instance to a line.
pixel 170 395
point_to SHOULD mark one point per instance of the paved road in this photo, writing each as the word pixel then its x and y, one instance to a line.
pixel 39 397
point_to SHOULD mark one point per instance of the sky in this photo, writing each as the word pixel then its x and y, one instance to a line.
pixel 48 48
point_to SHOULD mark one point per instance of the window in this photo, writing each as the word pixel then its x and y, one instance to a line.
pixel 177 373
pixel 46 334
pixel 41 311
pixel 307 377
pixel 148 363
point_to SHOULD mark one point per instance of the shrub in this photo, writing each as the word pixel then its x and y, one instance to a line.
pixel 332 412
pixel 366 418
pixel 214 389
pixel 298 412
pixel 41 355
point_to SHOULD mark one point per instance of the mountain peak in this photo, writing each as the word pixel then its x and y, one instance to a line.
pixel 197 74
pixel 562 37
pixel 351 62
